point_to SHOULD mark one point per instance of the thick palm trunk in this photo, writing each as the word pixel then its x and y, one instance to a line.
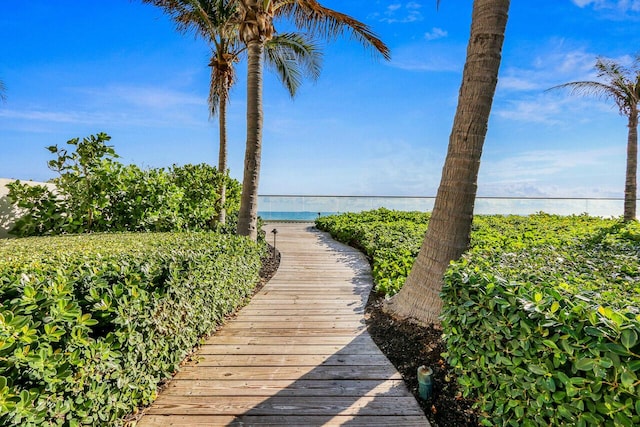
pixel 222 159
pixel 449 229
pixel 248 216
pixel 631 181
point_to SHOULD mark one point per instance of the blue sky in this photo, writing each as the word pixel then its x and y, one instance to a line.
pixel 366 127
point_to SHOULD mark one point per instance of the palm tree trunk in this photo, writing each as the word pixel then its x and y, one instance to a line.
pixel 631 181
pixel 248 216
pixel 449 229
pixel 222 159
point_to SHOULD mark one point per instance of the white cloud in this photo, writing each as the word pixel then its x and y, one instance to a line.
pixel 544 162
pixel 429 57
pixel 552 173
pixel 522 89
pixel 431 63
pixel 532 111
pixel 553 108
pixel 555 64
pixel 130 105
pixel 46 116
pixel 146 97
pixel 619 5
pixel 402 13
pixel 435 33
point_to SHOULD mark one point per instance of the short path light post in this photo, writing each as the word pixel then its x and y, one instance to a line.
pixel 274 231
pixel 425 382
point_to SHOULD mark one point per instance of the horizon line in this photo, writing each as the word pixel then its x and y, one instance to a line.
pixel 433 197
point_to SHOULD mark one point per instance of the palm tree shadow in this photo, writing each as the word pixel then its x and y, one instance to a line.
pixel 355 385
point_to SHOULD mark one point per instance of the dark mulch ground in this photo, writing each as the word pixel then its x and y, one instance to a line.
pixel 409 346
pixel 270 264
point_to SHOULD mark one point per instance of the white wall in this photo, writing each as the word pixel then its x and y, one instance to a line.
pixel 8 213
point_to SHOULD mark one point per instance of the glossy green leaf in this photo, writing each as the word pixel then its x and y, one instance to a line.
pixel 629 338
pixel 628 378
pixel 585 364
pixel 536 369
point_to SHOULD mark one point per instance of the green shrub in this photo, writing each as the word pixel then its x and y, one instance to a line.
pixel 390 239
pixel 541 317
pixel 556 329
pixel 95 193
pixel 91 324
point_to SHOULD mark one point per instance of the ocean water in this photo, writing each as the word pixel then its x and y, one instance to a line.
pixel 293 216
pixel 308 208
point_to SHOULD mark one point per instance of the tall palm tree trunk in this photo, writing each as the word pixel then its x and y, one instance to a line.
pixel 222 158
pixel 631 181
pixel 248 216
pixel 449 229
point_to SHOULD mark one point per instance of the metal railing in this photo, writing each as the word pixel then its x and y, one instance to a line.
pixel 309 207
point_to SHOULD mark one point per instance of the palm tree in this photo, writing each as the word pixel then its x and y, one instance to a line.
pixel 256 25
pixel 448 234
pixel 622 85
pixel 3 89
pixel 291 55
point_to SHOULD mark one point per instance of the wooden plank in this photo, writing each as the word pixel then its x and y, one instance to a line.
pixel 258 406
pixel 239 324
pixel 289 332
pixel 329 349
pixel 322 372
pixel 307 302
pixel 316 295
pixel 282 420
pixel 288 310
pixel 280 338
pixel 299 388
pixel 288 317
pixel 288 359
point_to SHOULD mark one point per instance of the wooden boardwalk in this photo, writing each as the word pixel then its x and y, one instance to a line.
pixel 298 354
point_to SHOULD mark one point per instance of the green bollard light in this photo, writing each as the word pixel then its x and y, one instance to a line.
pixel 425 383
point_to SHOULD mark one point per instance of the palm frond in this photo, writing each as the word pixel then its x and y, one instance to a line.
pixel 311 16
pixel 618 83
pixel 213 20
pixel 223 77
pixel 214 98
pixel 293 56
pixel 206 18
pixel 589 88
pixel 3 90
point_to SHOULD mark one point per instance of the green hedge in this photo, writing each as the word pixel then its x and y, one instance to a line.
pixel 555 326
pixel 541 316
pixel 390 239
pixel 90 325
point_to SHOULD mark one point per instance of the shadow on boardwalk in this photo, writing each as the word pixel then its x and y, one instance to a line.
pixel 298 355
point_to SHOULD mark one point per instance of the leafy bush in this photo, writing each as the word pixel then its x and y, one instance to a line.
pixel 91 324
pixel 94 192
pixel 541 316
pixel 556 330
pixel 390 239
